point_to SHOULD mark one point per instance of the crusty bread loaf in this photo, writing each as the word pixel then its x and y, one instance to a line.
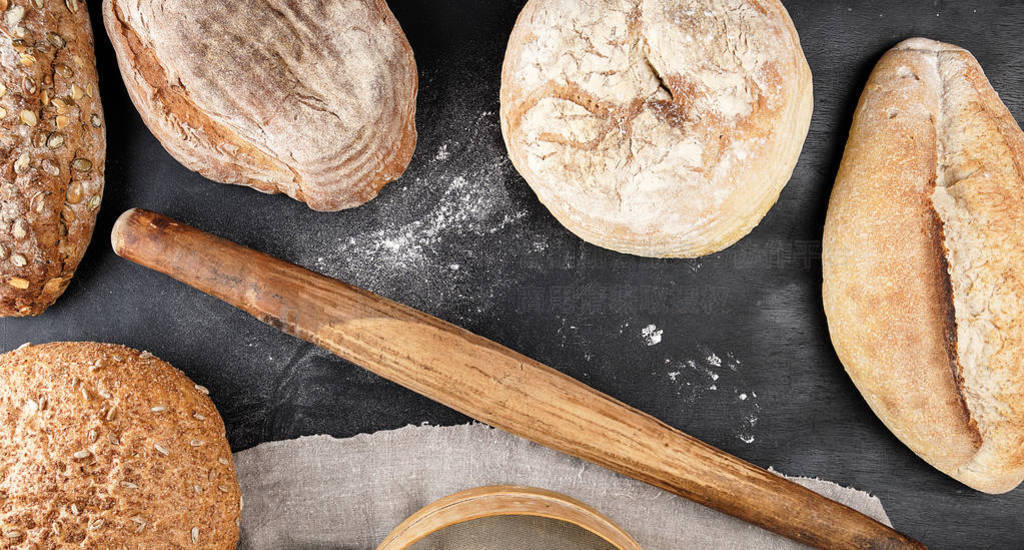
pixel 54 149
pixel 313 99
pixel 105 447
pixel 923 262
pixel 652 127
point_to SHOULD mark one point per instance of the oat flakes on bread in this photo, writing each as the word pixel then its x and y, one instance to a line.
pixel 102 446
pixel 655 127
pixel 313 99
pixel 51 179
pixel 923 259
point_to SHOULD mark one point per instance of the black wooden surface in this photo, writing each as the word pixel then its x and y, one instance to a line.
pixel 744 360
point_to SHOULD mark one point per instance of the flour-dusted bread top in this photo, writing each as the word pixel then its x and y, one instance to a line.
pixel 54 149
pixel 313 99
pixel 102 446
pixel 655 127
pixel 924 262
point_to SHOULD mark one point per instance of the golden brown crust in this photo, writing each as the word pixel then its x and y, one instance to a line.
pixel 656 128
pixel 315 100
pixel 54 149
pixel 104 446
pixel 922 252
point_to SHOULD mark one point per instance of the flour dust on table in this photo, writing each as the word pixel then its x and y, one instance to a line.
pixel 713 377
pixel 419 248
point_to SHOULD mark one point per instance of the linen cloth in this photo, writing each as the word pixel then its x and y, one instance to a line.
pixel 326 493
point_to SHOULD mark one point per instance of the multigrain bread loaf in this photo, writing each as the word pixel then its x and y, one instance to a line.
pixel 924 262
pixel 54 148
pixel 313 99
pixel 654 127
pixel 102 446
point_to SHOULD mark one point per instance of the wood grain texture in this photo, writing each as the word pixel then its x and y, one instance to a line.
pixel 489 382
pixel 485 502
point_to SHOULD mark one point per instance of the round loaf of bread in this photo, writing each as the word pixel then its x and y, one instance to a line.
pixel 313 99
pixel 923 262
pixel 654 127
pixel 102 446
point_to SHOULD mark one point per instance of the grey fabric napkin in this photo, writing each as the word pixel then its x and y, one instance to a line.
pixel 321 492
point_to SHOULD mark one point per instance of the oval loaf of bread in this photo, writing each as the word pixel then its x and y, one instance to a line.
pixel 54 144
pixel 106 447
pixel 313 99
pixel 924 262
pixel 654 127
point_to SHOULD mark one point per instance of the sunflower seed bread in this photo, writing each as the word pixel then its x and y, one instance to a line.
pixel 54 148
pixel 923 259
pixel 654 127
pixel 102 446
pixel 313 99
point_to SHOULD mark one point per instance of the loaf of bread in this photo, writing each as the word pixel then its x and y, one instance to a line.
pixel 654 127
pixel 924 262
pixel 106 447
pixel 313 99
pixel 54 150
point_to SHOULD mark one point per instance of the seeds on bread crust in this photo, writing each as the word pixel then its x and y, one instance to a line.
pixel 109 452
pixel 47 71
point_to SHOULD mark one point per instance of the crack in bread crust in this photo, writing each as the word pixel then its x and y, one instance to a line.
pixel 646 126
pixel 977 197
pixel 921 257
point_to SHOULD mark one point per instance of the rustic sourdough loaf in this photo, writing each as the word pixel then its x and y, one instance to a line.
pixel 54 148
pixel 923 262
pixel 313 99
pixel 655 127
pixel 105 447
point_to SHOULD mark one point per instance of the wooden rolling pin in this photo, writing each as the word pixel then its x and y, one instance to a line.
pixel 490 383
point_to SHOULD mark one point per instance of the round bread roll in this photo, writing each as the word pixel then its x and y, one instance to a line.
pixel 313 99
pixel 102 446
pixel 654 127
pixel 922 261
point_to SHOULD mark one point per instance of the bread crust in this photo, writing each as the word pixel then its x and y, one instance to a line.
pixel 655 128
pixel 54 149
pixel 313 99
pixel 106 447
pixel 922 250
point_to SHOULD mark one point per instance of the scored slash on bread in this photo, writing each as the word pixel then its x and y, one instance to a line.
pixel 923 255
pixel 656 128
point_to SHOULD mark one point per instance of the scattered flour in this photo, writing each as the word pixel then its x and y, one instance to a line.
pixel 696 379
pixel 461 207
pixel 651 335
pixel 442 153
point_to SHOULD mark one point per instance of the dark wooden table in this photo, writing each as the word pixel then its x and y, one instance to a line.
pixel 743 362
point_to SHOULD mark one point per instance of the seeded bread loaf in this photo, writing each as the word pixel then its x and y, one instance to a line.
pixel 313 99
pixel 924 262
pixel 54 144
pixel 654 127
pixel 105 447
